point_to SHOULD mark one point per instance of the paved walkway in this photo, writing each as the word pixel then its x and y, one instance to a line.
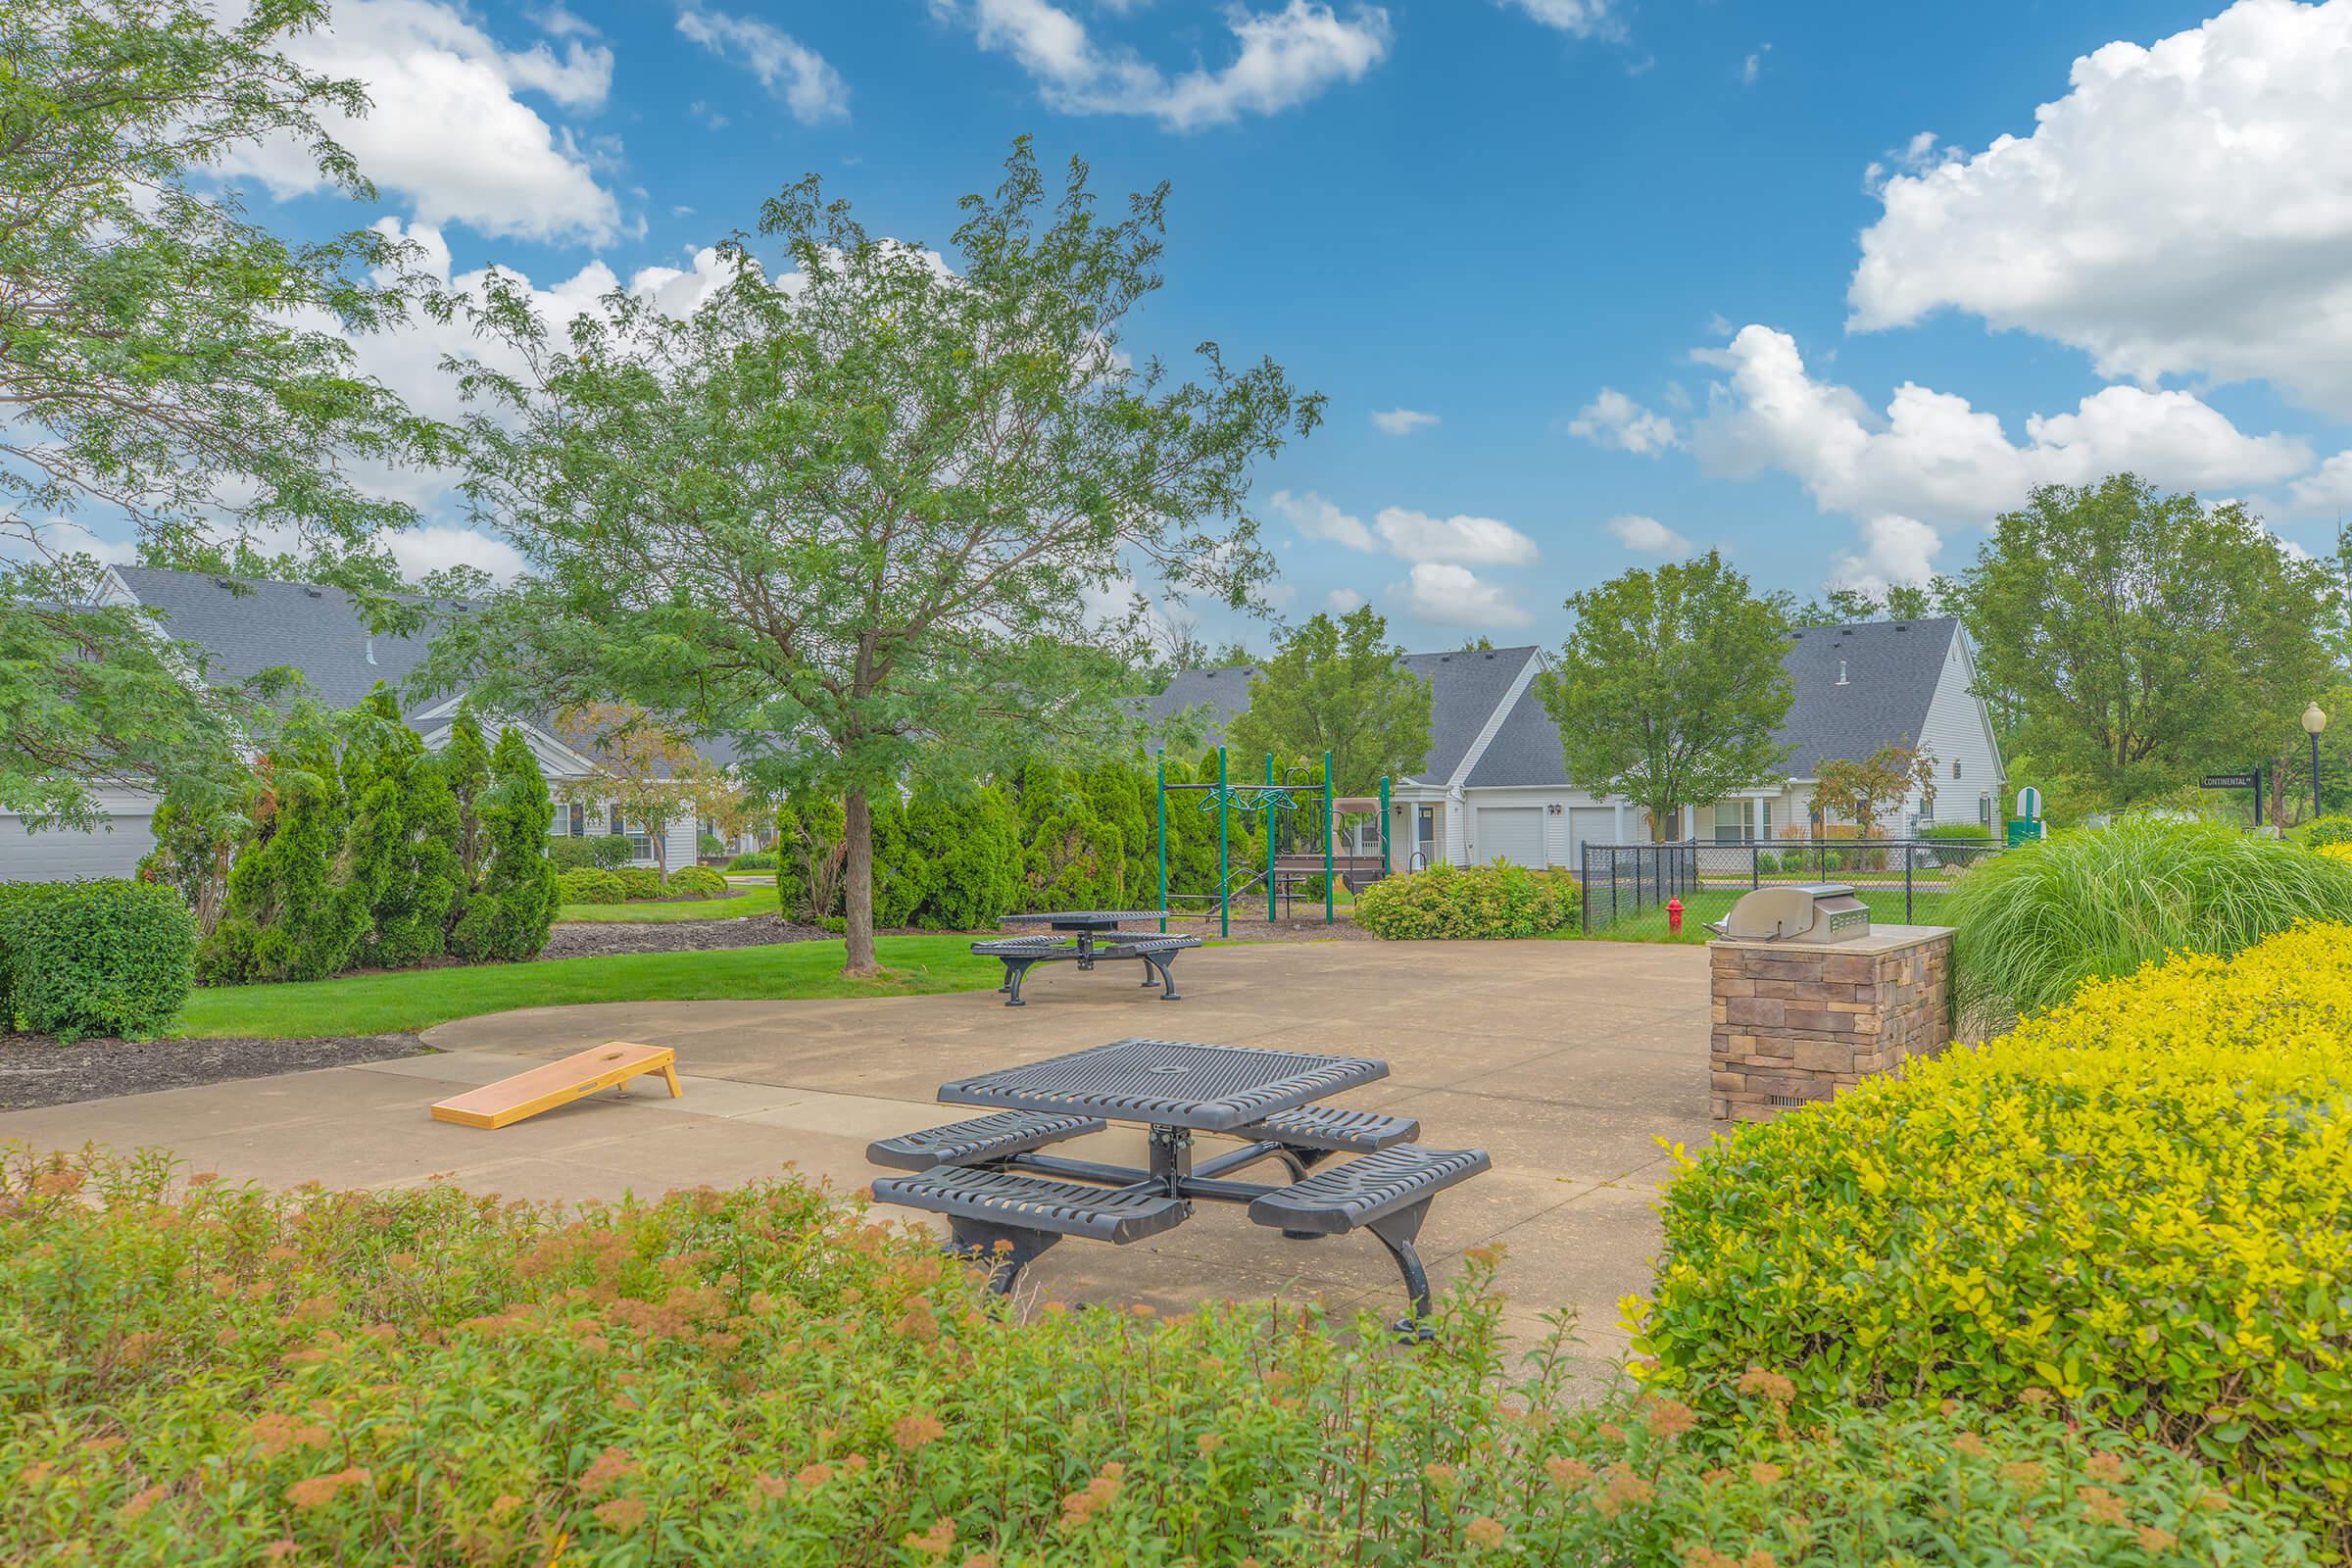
pixel 1567 1060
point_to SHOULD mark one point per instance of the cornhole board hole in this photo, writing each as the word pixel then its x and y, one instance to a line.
pixel 558 1083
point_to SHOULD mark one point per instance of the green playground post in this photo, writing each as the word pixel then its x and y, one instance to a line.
pixel 1224 865
pixel 1331 829
pixel 1383 825
pixel 1162 757
pixel 1267 811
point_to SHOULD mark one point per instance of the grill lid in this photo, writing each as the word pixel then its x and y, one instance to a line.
pixel 1804 911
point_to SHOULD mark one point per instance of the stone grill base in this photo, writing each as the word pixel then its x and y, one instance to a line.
pixel 1795 1023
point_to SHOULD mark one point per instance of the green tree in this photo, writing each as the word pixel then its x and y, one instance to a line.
pixel 465 763
pixel 974 846
pixel 1669 691
pixel 902 875
pixel 511 913
pixel 866 507
pixel 2143 639
pixel 1335 686
pixel 1864 792
pixel 168 368
pixel 809 859
pixel 1118 793
pixel 402 859
pixel 287 915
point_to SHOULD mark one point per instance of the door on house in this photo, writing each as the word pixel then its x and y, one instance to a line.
pixel 1514 833
pixel 1425 837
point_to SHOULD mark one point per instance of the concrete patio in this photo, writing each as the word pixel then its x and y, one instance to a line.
pixel 1568 1062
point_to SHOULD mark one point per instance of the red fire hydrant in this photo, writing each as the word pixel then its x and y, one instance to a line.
pixel 1673 916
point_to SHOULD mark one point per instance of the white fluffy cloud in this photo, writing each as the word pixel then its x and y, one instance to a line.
pixel 1455 596
pixel 1282 57
pixel 1403 421
pixel 447 132
pixel 1340 600
pixel 1468 541
pixel 1317 518
pixel 1585 19
pixel 1613 419
pixel 2184 208
pixel 1896 550
pixel 2328 489
pixel 435 547
pixel 1647 536
pixel 798 75
pixel 1933 456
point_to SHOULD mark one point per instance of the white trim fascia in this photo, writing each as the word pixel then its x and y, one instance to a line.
pixel 1493 725
pixel 1992 737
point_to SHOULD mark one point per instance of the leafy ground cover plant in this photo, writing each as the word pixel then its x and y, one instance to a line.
pixel 2036 922
pixel 226 1375
pixel 1481 901
pixel 2134 1206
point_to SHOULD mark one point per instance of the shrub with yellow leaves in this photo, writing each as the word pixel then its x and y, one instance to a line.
pixel 2137 1209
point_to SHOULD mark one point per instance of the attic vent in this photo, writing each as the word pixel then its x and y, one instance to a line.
pixel 1840 670
pixel 312 592
pixel 1490 656
pixel 223 582
pixel 371 660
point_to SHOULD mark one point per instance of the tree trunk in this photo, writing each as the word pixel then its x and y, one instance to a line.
pixel 857 895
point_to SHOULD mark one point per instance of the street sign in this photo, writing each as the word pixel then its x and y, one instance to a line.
pixel 2234 781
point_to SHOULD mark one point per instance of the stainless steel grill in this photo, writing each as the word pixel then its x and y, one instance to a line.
pixel 1811 912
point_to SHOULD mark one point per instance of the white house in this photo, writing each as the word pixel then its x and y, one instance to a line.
pixel 253 626
pixel 1495 782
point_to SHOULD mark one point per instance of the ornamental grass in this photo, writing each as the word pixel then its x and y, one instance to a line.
pixel 2137 1208
pixel 200 1374
pixel 2032 924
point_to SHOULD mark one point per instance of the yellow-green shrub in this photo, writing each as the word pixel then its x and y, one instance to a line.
pixel 2140 1204
pixel 1479 902
pixel 763 1376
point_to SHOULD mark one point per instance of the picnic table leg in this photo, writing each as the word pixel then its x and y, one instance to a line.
pixel 1167 976
pixel 1007 1249
pixel 1086 948
pixel 1015 969
pixel 1395 1232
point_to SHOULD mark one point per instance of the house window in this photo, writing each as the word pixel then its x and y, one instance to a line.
pixel 1956 767
pixel 1984 811
pixel 641 845
pixel 569 822
pixel 1735 821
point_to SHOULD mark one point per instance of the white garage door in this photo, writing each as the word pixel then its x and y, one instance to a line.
pixel 1590 824
pixel 1513 832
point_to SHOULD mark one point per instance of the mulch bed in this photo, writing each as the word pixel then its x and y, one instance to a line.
pixel 36 1071
pixel 584 939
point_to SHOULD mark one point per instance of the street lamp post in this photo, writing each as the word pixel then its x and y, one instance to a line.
pixel 2315 719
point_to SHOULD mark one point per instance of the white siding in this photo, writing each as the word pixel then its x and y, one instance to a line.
pixel 1958 731
pixel 67 855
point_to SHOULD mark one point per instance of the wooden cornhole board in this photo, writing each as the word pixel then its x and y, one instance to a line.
pixel 558 1083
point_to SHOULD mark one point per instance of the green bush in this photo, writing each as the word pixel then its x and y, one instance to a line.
pixel 574 855
pixel 764 1376
pixel 1957 833
pixel 105 958
pixel 2135 1205
pixel 288 914
pixel 588 884
pixel 512 909
pixel 2036 922
pixel 753 860
pixel 700 880
pixel 638 882
pixel 1482 901
pixel 2322 831
pixel 709 844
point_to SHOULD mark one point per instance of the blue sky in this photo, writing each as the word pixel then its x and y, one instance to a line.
pixel 1656 272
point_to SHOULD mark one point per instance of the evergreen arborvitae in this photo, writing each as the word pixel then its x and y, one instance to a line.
pixel 973 847
pixel 401 862
pixel 1116 793
pixel 465 765
pixel 810 856
pixel 287 915
pixel 514 907
pixel 902 876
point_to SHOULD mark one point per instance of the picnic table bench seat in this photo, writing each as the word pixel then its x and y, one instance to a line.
pixel 1385 1192
pixel 979 1141
pixel 1330 1129
pixel 1006 1218
pixel 1019 953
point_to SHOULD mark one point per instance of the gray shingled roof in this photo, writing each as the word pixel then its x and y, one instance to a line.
pixel 1464 689
pixel 266 625
pixel 1891 668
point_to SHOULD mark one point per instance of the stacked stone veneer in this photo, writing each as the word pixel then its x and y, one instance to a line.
pixel 1794 1023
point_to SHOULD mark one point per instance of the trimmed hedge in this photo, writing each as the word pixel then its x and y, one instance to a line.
pixel 764 1376
pixel 589 886
pixel 109 957
pixel 1479 903
pixel 753 860
pixel 2138 1204
pixel 2036 922
pixel 638 881
pixel 699 879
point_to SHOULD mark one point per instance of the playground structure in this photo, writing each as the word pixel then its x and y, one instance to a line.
pixel 1313 850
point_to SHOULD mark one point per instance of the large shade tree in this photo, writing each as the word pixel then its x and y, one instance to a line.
pixel 864 518
pixel 2135 640
pixel 170 372
pixel 1669 692
pixel 1337 687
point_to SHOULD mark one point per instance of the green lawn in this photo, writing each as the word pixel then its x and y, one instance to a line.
pixel 732 906
pixel 1712 904
pixel 382 1003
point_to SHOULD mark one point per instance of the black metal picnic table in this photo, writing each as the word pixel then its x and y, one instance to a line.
pixel 1089 925
pixel 984 1174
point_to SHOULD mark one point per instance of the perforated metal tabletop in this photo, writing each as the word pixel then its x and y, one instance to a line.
pixel 1082 919
pixel 1169 1083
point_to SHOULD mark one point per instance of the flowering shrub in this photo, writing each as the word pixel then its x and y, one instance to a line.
pixel 2340 850
pixel 1497 901
pixel 2138 1204
pixel 764 1376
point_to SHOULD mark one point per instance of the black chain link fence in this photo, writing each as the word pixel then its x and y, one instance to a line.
pixel 1629 888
